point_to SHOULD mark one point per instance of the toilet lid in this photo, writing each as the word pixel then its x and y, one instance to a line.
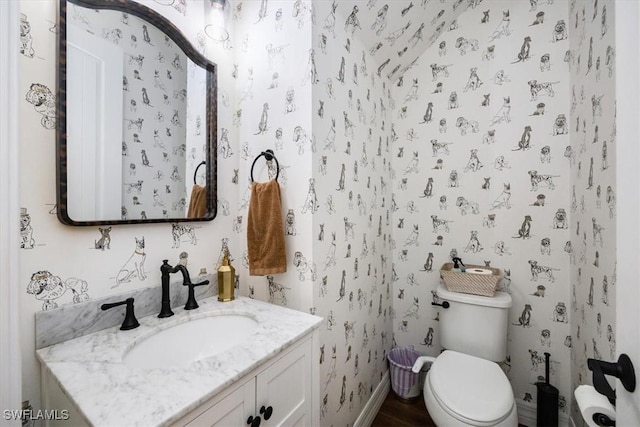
pixel 473 390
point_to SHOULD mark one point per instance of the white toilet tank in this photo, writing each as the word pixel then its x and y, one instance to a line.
pixel 474 324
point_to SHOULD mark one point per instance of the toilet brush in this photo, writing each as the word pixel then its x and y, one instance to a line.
pixel 547 411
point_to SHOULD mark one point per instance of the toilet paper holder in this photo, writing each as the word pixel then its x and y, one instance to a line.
pixel 622 369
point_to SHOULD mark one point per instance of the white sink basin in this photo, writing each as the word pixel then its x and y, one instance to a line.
pixel 185 343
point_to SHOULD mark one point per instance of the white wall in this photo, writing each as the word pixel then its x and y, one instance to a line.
pixel 10 352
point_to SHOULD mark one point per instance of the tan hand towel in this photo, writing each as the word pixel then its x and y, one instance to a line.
pixel 265 230
pixel 198 202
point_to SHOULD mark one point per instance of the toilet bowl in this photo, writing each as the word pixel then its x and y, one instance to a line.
pixel 464 390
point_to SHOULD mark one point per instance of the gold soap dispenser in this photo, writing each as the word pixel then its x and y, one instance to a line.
pixel 226 278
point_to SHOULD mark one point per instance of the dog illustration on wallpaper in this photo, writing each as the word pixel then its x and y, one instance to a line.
pixel 474 81
pixel 26 230
pixel 135 123
pixel 536 360
pixel 414 309
pixel 105 239
pixel 486 101
pixel 352 23
pixel 540 89
pixel 44 102
pixel 26 39
pixel 413 238
pixel 304 267
pixel 500 77
pixel 525 317
pixel 474 164
pixel 439 224
pixel 474 243
pixel 560 126
pixel 525 50
pixel 416 36
pixel 545 246
pixel 538 179
pixel 504 113
pixel 525 140
pixel 540 290
pixel 277 292
pixel 48 288
pixel 524 232
pixel 545 62
pixel 178 231
pixel 503 27
pixel 489 221
pixel 559 31
pixel 437 70
pixel 464 45
pixel 453 100
pixel 428 339
pixel 465 125
pixel 538 270
pixel 134 266
pixel 560 313
pixel 467 205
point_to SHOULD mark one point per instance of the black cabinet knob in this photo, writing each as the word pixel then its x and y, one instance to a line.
pixel 267 412
pixel 253 421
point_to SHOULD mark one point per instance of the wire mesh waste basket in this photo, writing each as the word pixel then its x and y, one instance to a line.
pixel 404 382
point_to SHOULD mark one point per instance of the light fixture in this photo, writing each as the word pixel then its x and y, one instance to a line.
pixel 215 29
pixel 218 3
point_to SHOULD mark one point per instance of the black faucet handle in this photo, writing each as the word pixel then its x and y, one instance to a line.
pixel 204 282
pixel 191 299
pixel 130 321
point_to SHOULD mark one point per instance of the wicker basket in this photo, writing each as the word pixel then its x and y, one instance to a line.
pixel 469 283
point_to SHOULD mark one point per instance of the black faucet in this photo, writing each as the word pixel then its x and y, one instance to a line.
pixel 166 270
pixel 130 321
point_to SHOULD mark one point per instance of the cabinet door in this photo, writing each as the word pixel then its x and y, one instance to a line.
pixel 233 410
pixel 286 387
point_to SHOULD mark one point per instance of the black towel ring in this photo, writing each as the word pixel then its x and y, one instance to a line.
pixel 268 154
pixel 195 174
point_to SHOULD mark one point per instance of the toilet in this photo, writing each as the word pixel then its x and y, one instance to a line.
pixel 465 386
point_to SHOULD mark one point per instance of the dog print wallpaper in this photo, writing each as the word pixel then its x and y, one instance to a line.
pixel 593 187
pixel 480 138
pixel 66 265
pixel 405 133
pixel 351 224
pixel 272 111
pixel 322 111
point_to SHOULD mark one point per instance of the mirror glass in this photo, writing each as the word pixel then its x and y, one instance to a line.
pixel 137 118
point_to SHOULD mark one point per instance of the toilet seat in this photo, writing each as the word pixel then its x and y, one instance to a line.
pixel 472 390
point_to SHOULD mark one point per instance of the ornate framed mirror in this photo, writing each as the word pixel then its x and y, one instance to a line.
pixel 137 118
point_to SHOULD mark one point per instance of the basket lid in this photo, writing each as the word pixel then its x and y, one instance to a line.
pixel 471 389
pixel 499 300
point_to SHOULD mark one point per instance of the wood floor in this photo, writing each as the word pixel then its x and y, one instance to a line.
pixel 398 413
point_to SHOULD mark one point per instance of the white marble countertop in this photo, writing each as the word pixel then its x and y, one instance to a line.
pixel 108 393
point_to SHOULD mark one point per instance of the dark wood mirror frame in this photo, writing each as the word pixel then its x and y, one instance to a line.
pixel 172 32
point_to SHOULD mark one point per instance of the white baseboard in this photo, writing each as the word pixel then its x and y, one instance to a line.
pixel 527 415
pixel 571 422
pixel 373 405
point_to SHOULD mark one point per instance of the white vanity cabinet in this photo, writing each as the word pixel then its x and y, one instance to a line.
pixel 284 384
pixel 275 367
